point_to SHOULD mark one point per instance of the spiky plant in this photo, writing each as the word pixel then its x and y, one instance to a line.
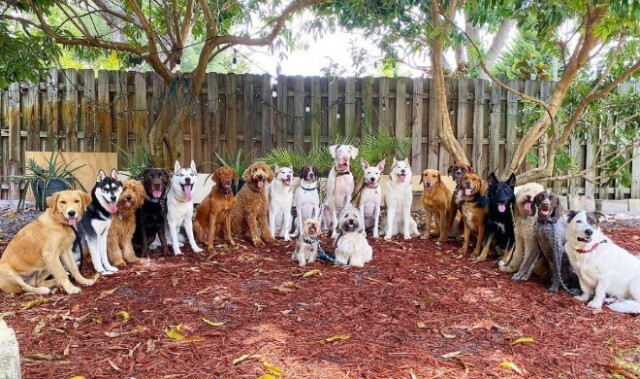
pixel 282 156
pixel 382 145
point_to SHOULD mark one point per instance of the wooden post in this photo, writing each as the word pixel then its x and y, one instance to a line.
pixel 231 113
pixel 213 132
pixel 462 109
pixel 316 115
pixel 140 114
pixel 31 117
pixel 104 111
pixel 367 106
pixel 266 111
pixel 512 119
pixel 50 113
pixel 247 115
pixel 13 122
pixel 494 128
pixel 433 121
pixel 384 104
pixel 88 111
pixel 478 160
pixel 332 121
pixel 70 109
pixel 298 112
pixel 350 108
pixel 281 121
pixel 400 129
pixel 121 114
pixel 416 126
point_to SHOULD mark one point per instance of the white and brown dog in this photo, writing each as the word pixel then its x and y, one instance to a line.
pixel 306 197
pixel 398 198
pixel 180 205
pixel 371 197
pixel 308 243
pixel 280 195
pixel 352 247
pixel 339 186
pixel 603 268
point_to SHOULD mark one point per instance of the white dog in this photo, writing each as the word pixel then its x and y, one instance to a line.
pixel 339 186
pixel 306 197
pixel 280 202
pixel 371 197
pixel 352 247
pixel 603 268
pixel 180 206
pixel 398 198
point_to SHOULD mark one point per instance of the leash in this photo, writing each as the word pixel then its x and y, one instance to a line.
pixel 595 246
pixel 321 253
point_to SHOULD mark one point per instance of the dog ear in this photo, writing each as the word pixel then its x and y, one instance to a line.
pixel 484 187
pixel 167 173
pixel 569 215
pixel 422 177
pixel 470 169
pixel 492 179
pixel 395 162
pixel 193 165
pixel 53 199
pixel 248 173
pixel 512 180
pixel 101 176
pixel 86 199
pixel 558 210
pixel 599 216
pixel 216 177
pixel 142 174
pixel 114 174
pixel 332 150
pixel 354 152
pixel 176 166
pixel 364 163
pixel 381 165
pixel 450 169
pixel 439 178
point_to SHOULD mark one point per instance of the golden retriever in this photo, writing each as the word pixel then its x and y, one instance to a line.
pixel 43 248
pixel 436 198
pixel 249 215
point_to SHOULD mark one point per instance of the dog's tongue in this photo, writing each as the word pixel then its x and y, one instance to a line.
pixel 260 183
pixel 527 206
pixel 71 221
pixel 128 203
pixel 427 188
pixel 187 192
pixel 467 191
pixel 113 207
pixel 545 212
pixel 402 178
pixel 501 208
pixel 156 194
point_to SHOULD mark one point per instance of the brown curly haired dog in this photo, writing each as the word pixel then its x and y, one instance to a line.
pixel 215 209
pixel 119 246
pixel 249 215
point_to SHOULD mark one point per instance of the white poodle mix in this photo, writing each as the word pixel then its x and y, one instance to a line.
pixel 280 196
pixel 352 247
pixel 398 198
pixel 371 196
pixel 339 186
pixel 603 268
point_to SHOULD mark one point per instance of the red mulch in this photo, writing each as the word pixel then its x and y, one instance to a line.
pixel 415 303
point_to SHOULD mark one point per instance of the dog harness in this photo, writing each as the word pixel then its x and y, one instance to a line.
pixel 595 246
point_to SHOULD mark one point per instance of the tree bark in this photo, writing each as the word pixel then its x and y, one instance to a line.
pixel 498 44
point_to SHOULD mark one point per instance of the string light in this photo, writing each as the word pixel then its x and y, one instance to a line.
pixel 307 109
pixel 274 91
pixel 338 115
pixel 234 62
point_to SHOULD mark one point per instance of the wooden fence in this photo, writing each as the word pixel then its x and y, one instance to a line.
pixel 106 110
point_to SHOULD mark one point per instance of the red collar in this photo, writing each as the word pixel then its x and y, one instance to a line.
pixel 595 246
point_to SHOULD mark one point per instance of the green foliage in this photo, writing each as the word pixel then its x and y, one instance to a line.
pixel 239 163
pixel 524 60
pixel 24 56
pixel 135 163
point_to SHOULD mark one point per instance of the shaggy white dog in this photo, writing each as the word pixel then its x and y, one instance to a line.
pixel 397 199
pixel 352 247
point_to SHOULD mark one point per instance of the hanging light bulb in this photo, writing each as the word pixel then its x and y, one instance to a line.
pixel 274 91
pixel 384 104
pixel 362 114
pixel 338 115
pixel 307 109
pixel 234 62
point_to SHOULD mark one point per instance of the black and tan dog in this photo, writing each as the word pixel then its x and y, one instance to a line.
pixel 151 218
pixel 549 234
pixel 475 207
pixel 499 224
pixel 457 171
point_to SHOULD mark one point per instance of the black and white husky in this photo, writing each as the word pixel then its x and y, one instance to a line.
pixel 94 225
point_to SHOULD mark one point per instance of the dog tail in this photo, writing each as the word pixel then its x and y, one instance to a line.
pixel 625 306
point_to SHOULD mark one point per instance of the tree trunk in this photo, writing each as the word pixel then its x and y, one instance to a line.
pixel 499 42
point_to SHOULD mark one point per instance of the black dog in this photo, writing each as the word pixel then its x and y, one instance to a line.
pixel 151 218
pixel 549 234
pixel 499 223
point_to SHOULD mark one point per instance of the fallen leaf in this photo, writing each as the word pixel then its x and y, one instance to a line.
pixel 75 308
pixel 38 329
pixel 244 357
pixel 272 369
pixel 451 355
pixel 34 303
pixel 77 377
pixel 522 340
pixel 452 277
pixel 124 315
pixel 337 337
pixel 113 334
pixel 174 281
pixel 267 376
pixel 175 333
pixel 449 336
pixel 511 366
pixel 7 314
pixel 286 287
pixel 113 365
pixel 97 319
pixel 65 352
pixel 106 293
pixel 10 215
pixel 421 325
pixel 212 323
pixel 311 273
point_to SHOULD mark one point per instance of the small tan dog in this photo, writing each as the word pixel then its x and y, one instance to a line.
pixel 436 198
pixel 307 244
pixel 119 245
pixel 43 248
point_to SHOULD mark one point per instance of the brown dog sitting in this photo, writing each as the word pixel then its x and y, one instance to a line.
pixel 119 245
pixel 436 198
pixel 475 207
pixel 457 171
pixel 43 248
pixel 249 215
pixel 215 209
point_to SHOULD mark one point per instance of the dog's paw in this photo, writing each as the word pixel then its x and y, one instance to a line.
pixel 71 289
pixel 111 269
pixel 595 304
pixel 42 290
pixel 86 282
pixel 197 249
pixel 177 253
pixel 258 243
pixel 407 236
pixel 462 251
pixel 583 297
pixel 106 272
pixel 480 259
pixel 517 277
pixel 553 289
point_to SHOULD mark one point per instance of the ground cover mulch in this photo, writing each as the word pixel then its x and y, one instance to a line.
pixel 419 310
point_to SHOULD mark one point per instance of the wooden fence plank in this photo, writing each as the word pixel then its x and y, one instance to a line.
pixel 266 121
pixel 120 112
pixel 332 111
pixel 13 123
pixel 281 126
pixel 478 158
pixel 213 102
pixel 316 115
pixel 298 112
pixel 443 154
pixel 87 118
pixel 51 111
pixel 70 109
pixel 434 144
pixel 247 118
pixel 462 113
pixel 31 116
pixel 512 119
pixel 231 113
pixel 140 112
pixel 350 108
pixel 104 113
pixel 494 133
pixel 367 106
pixel 401 109
pixel 416 126
pixel 384 104
pixel 635 163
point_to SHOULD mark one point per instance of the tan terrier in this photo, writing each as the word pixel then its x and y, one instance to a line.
pixel 307 244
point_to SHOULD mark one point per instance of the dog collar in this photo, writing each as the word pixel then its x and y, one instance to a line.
pixel 309 189
pixel 550 220
pixel 310 241
pixel 223 191
pixel 340 173
pixel 595 246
